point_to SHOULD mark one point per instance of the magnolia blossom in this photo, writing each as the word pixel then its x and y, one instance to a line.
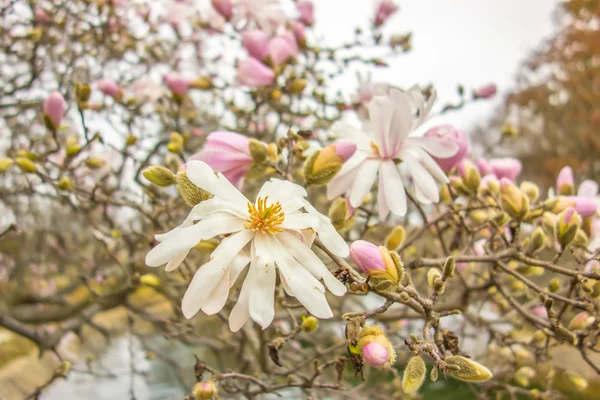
pixel 176 83
pixel 283 47
pixel 485 92
pixel 299 33
pixel 228 153
pixel 265 234
pixel 385 10
pixel 257 43
pixel 384 145
pixel 306 10
pixel 253 73
pixel 223 7
pixel 109 88
pixel 450 134
pixel 54 108
pixel 506 167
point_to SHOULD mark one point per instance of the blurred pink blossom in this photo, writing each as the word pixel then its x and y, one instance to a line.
pixel 485 92
pixel 450 134
pixel 299 34
pixel 176 83
pixel 306 9
pixel 257 43
pixel 565 181
pixel 224 8
pixel 281 50
pixel 110 88
pixel 41 16
pixel 54 108
pixel 385 10
pixel 506 167
pixel 253 73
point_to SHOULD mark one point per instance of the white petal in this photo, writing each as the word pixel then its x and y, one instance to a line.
pixel 588 188
pixel 313 264
pixel 208 276
pixel 302 284
pixel 176 262
pixel 344 130
pixel 240 314
pixel 205 178
pixel 328 235
pixel 186 238
pixel 299 221
pixel 435 147
pixel 341 183
pixel 262 291
pixel 421 178
pixel 280 190
pixel 382 205
pixel 381 110
pixel 217 299
pixel 433 167
pixel 393 188
pixel 363 182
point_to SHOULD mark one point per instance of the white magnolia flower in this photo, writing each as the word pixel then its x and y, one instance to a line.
pixel 384 145
pixel 266 234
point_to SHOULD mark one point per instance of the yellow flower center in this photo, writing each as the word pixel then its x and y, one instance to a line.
pixel 263 218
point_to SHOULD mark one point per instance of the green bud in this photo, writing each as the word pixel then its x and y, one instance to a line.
pixel 5 164
pixel 26 165
pixel 395 238
pixel 434 374
pixel 94 163
pixel 65 184
pixel 565 334
pixel 554 285
pixel 549 222
pixel 404 297
pixel 338 212
pixel 576 381
pixel 160 176
pixel 398 264
pixel 468 370
pixel 309 324
pixel 414 375
pixel 531 190
pixel 513 201
pixel 449 267
pixel 537 241
pixel 567 225
pixel 432 275
pixel 258 151
pixel 322 166
pixel 82 92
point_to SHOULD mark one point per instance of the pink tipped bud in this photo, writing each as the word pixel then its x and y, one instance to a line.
pixel 54 108
pixel 568 214
pixel 257 43
pixel 540 311
pixel 449 134
pixel 584 206
pixel 565 182
pixel 367 256
pixel 506 183
pixel 306 10
pixel 223 7
pixel 176 83
pixel 581 321
pixel 375 354
pixel 485 92
pixel 345 148
pixel 299 34
pixel 506 167
pixel 282 48
pixel 385 10
pixel 110 88
pixel 253 73
pixel 41 16
pixel 484 167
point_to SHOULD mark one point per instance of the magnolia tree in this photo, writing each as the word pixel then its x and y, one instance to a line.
pixel 296 242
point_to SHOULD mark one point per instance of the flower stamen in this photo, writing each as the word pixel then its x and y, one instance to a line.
pixel 265 219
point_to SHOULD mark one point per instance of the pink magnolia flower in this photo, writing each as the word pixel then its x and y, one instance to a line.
pixel 584 206
pixel 224 8
pixel 282 48
pixel 257 43
pixel 306 9
pixel 228 153
pixel 110 88
pixel 484 167
pixel 41 16
pixel 540 311
pixel 385 10
pixel 588 189
pixel 565 181
pixel 299 34
pixel 506 167
pixel 375 354
pixel 176 83
pixel 253 73
pixel 485 92
pixel 451 135
pixel 54 108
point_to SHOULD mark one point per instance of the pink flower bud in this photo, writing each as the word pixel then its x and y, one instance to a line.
pixel 479 247
pixel 385 10
pixel 484 167
pixel 306 9
pixel 485 92
pixel 565 181
pixel 375 354
pixel 282 48
pixel 584 206
pixel 299 33
pixel 257 43
pixel 540 311
pixel 449 134
pixel 176 83
pixel 588 189
pixel 568 215
pixel 54 108
pixel 223 7
pixel 41 16
pixel 109 88
pixel 253 73
pixel 506 167
pixel 367 256
pixel 345 148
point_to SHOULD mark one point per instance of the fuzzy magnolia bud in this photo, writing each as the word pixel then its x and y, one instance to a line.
pixel 537 241
pixel 26 165
pixel 150 280
pixel 377 262
pixel 65 184
pixel 577 381
pixel 433 275
pixel 549 222
pixel 531 190
pixel 581 321
pixel 468 370
pixel 338 212
pixel 470 176
pixel 160 176
pixel 5 164
pixel 94 163
pixel 204 391
pixel 414 375
pixel 449 267
pixel 191 193
pixel 513 201
pixel 395 238
pixel 297 86
pixel 375 347
pixel 323 165
pixel 258 151
pixel 309 324
pixel 567 225
pixel 524 375
pixel 202 83
pixel 565 182
pixel 82 92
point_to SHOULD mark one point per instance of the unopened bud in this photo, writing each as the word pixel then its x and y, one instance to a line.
pixel 338 212
pixel 192 194
pixel 458 185
pixel 565 334
pixel 82 92
pixel 470 175
pixel 537 241
pixel 434 374
pixel 449 267
pixel 468 370
pixel 26 165
pixel 576 381
pixel 432 275
pixel 414 375
pixel 566 227
pixel 204 391
pixel 64 183
pixel 565 182
pixel 131 140
pixel 531 190
pixel 5 164
pixel 258 151
pixel 309 324
pixel 549 222
pixel 513 201
pixel 404 297
pixel 202 83
pixel 63 369
pixel 297 86
pixel 554 285
pixel 150 280
pixel 375 347
pixel 581 321
pixel 444 194
pixel 94 163
pixel 395 238
pixel 159 176
pixel 323 165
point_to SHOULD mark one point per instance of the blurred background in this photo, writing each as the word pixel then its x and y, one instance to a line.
pixel 543 56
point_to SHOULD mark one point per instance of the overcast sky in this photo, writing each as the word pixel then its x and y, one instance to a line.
pixel 472 42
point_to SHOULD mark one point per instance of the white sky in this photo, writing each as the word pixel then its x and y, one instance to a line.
pixel 472 42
